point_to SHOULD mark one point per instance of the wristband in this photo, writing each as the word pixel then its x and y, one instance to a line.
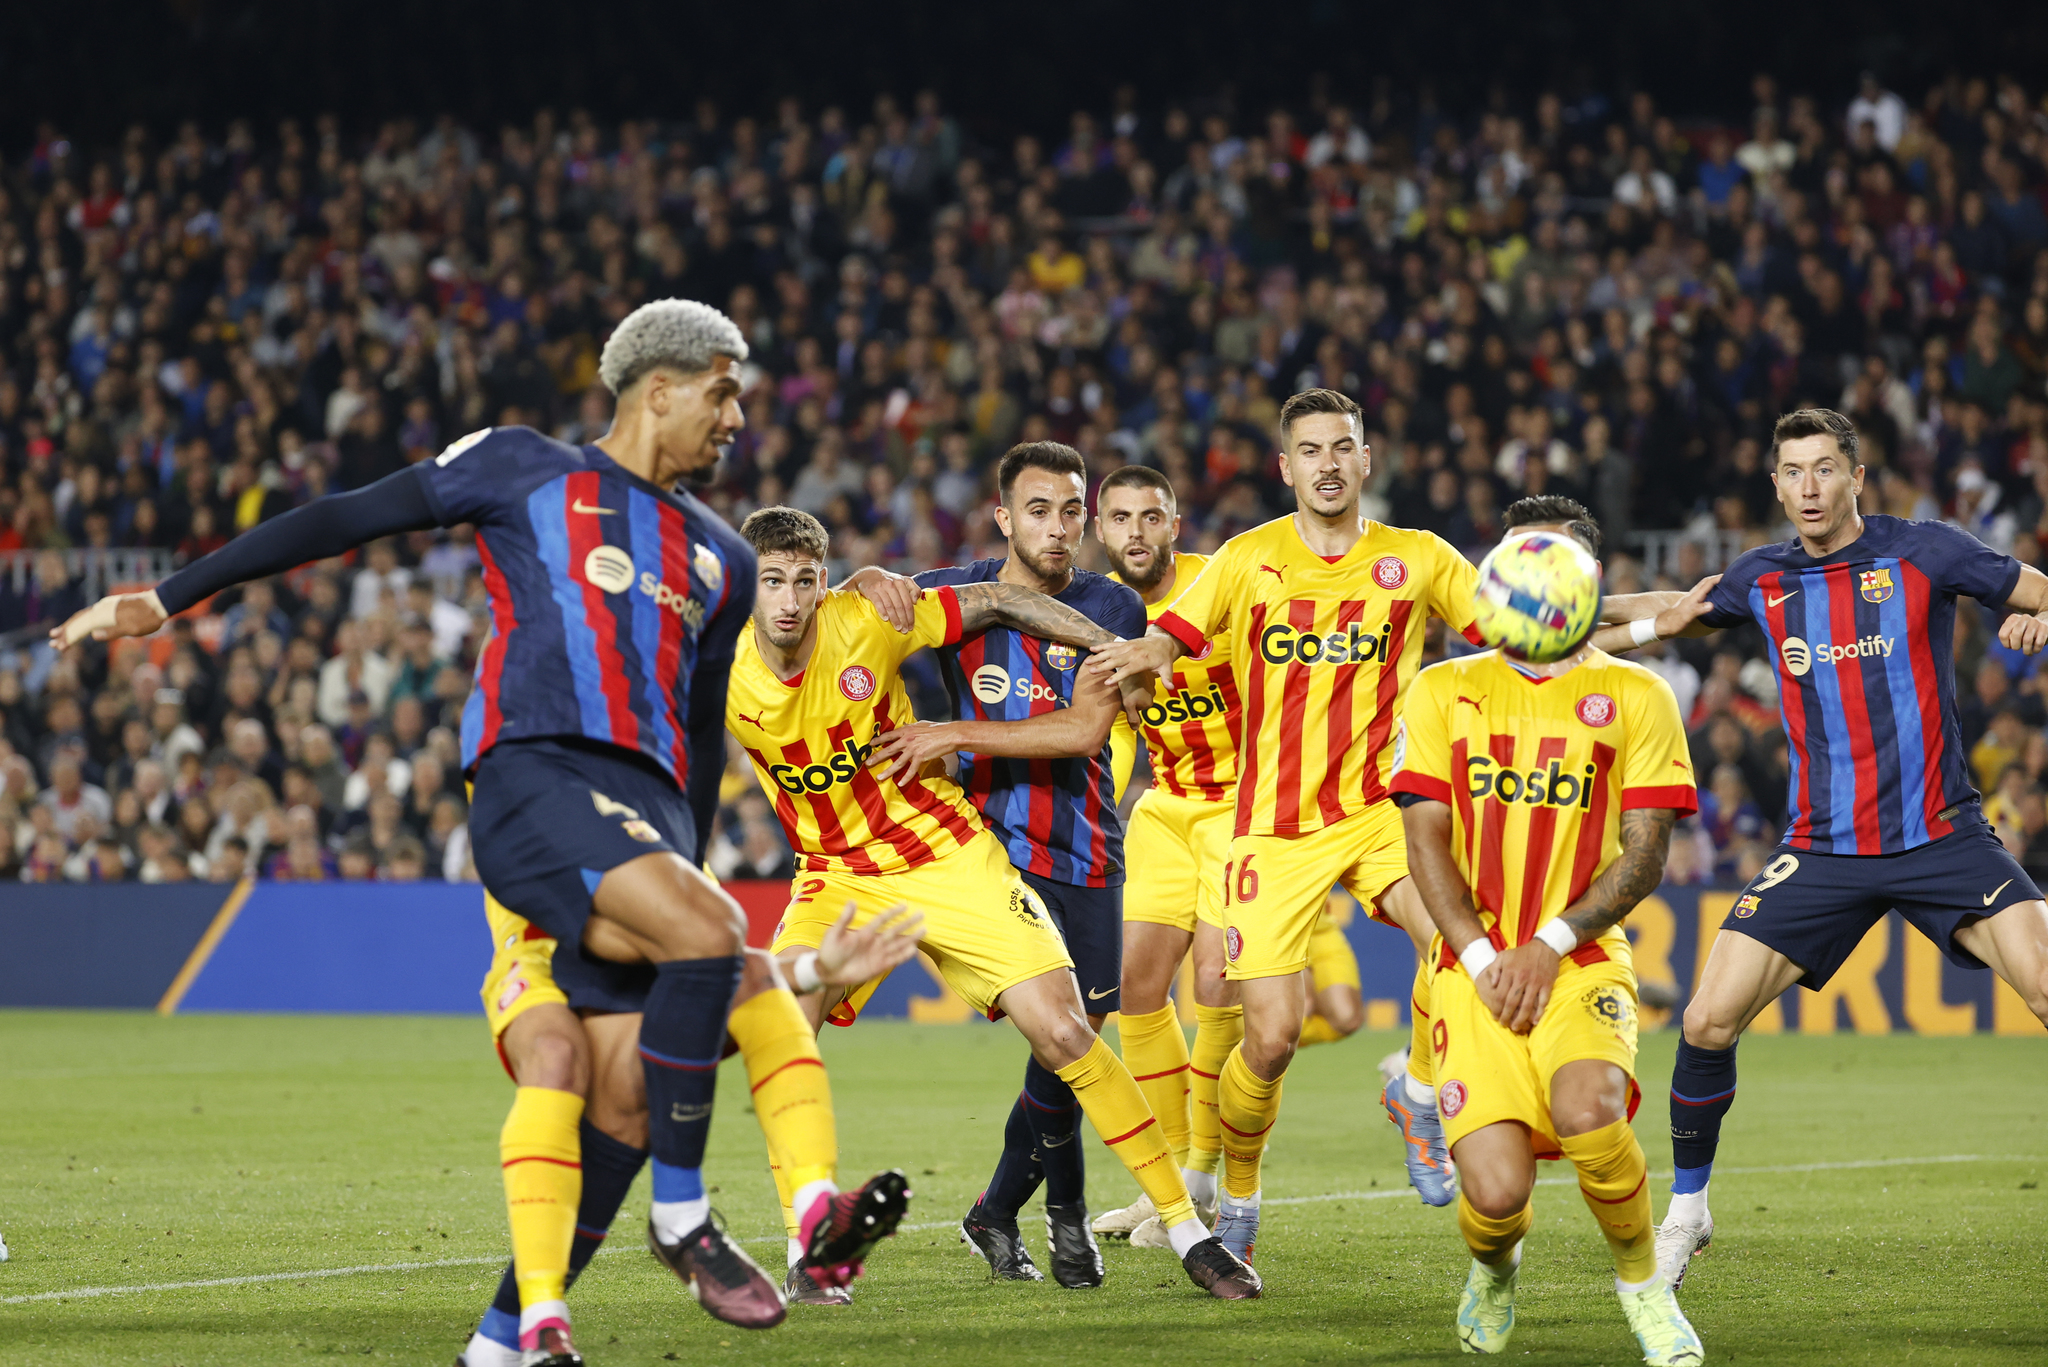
pixel 1477 956
pixel 803 974
pixel 1558 936
pixel 1643 630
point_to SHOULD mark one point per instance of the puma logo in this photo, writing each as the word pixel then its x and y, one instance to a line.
pixel 754 722
pixel 579 506
pixel 1771 602
pixel 1681 764
pixel 1479 706
pixel 1280 574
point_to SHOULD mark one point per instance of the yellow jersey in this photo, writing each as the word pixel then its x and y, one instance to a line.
pixel 1321 652
pixel 810 738
pixel 1190 729
pixel 1537 773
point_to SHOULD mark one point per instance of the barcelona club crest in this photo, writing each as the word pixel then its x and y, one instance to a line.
pixel 1875 585
pixel 1748 904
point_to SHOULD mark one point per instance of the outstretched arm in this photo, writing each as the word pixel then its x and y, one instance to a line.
pixel 1065 732
pixel 1673 614
pixel 324 527
pixel 2027 629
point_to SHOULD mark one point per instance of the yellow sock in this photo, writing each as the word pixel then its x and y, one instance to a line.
pixel 1614 1178
pixel 1156 1052
pixel 1421 1061
pixel 1217 1031
pixel 792 1094
pixel 1318 1030
pixel 1493 1241
pixel 1117 1110
pixel 1246 1106
pixel 542 1155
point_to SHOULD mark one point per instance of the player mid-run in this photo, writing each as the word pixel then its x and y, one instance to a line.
pixel 1860 615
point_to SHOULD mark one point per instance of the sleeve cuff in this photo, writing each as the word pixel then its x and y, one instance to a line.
pixel 2012 581
pixel 950 601
pixel 1421 785
pixel 1470 631
pixel 1682 798
pixel 1182 630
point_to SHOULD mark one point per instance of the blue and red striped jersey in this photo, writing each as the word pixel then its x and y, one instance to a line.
pixel 1056 817
pixel 1863 643
pixel 609 598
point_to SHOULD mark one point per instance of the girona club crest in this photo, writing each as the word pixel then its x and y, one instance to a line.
pixel 1875 585
pixel 1389 572
pixel 857 682
pixel 1596 709
pixel 1450 1098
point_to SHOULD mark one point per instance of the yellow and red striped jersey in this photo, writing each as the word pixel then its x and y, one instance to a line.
pixel 1537 773
pixel 1190 729
pixel 1321 651
pixel 810 738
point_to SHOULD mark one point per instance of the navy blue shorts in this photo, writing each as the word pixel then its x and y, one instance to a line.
pixel 548 820
pixel 1091 920
pixel 1816 908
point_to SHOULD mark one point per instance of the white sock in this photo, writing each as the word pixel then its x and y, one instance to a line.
pixel 1689 1209
pixel 1622 1288
pixel 1185 1236
pixel 808 1194
pixel 1250 1202
pixel 796 1251
pixel 1506 1265
pixel 675 1221
pixel 486 1352
pixel 532 1317
pixel 1201 1186
pixel 1419 1093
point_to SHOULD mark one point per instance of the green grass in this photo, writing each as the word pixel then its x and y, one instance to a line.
pixel 137 1151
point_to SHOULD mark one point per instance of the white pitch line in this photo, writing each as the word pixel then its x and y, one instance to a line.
pixel 85 1292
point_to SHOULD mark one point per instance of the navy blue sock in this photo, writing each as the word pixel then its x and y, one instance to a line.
pixel 609 1168
pixel 1018 1173
pixel 1702 1090
pixel 682 1034
pixel 1055 1117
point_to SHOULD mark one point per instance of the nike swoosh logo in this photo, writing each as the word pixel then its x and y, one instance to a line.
pixel 1055 1143
pixel 1771 602
pixel 579 506
pixel 1098 996
pixel 1995 891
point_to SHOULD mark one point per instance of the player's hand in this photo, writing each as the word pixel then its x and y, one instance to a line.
pixel 1675 619
pixel 1116 661
pixel 894 595
pixel 1138 693
pixel 1522 979
pixel 902 752
pixel 850 957
pixel 2025 632
pixel 119 614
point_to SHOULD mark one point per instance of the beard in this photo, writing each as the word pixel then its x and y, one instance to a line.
pixel 1149 580
pixel 1042 567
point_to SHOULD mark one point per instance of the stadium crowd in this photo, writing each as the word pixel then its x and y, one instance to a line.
pixel 1581 296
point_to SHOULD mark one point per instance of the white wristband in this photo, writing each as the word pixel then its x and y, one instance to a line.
pixel 1558 936
pixel 803 974
pixel 1643 631
pixel 1477 956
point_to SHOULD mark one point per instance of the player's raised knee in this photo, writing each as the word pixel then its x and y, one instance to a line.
pixel 1706 1028
pixel 1494 1194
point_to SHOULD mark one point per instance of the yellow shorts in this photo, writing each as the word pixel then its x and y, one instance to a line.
pixel 1330 960
pixel 983 928
pixel 1174 848
pixel 1275 887
pixel 1485 1073
pixel 521 975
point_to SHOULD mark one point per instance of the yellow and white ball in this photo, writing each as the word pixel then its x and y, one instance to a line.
pixel 1539 596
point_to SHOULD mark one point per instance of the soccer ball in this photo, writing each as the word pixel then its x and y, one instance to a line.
pixel 1539 596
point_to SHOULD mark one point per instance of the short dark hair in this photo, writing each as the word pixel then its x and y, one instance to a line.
pixel 791 531
pixel 1551 509
pixel 1815 422
pixel 1137 477
pixel 1318 401
pixel 1055 456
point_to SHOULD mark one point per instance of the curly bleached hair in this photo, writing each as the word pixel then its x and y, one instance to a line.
pixel 681 333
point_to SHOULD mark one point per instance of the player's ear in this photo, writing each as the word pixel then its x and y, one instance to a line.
pixel 1286 474
pixel 1002 519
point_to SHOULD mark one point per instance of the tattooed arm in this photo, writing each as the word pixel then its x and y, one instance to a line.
pixel 1527 972
pixel 1035 614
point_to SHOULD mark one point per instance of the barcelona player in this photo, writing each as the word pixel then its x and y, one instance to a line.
pixel 1054 813
pixel 1324 612
pixel 1538 802
pixel 1860 615
pixel 815 688
pixel 593 737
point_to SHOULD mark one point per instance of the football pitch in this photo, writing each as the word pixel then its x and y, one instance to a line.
pixel 270 1190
